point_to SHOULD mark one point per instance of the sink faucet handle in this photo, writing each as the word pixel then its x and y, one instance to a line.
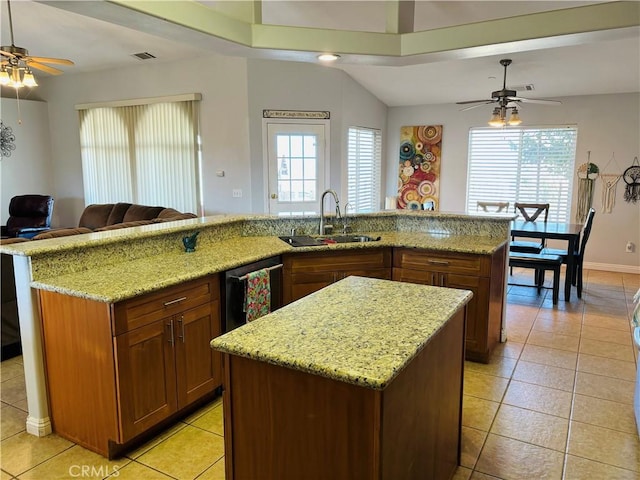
pixel 345 221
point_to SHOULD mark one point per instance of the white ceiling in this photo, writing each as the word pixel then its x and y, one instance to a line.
pixel 100 35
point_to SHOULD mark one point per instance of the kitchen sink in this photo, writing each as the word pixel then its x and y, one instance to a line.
pixel 309 241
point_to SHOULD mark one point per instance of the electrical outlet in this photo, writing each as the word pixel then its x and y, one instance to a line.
pixel 236 193
pixel 630 247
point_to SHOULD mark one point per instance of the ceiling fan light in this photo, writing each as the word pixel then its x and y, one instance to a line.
pixel 4 77
pixel 15 81
pixel 496 119
pixel 514 119
pixel 29 80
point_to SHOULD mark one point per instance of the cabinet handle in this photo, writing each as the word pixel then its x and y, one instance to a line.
pixel 181 322
pixel 170 325
pixel 177 300
pixel 437 262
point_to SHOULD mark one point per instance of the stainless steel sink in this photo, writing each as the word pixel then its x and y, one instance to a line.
pixel 308 241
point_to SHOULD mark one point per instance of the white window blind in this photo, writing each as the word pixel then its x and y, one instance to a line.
pixel 531 165
pixel 146 154
pixel 363 169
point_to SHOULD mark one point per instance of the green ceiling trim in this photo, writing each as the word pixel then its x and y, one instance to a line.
pixel 590 18
pixel 320 40
pixel 555 23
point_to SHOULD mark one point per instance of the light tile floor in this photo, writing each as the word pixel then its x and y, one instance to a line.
pixel 555 402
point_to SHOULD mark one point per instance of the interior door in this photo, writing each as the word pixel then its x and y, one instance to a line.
pixel 296 156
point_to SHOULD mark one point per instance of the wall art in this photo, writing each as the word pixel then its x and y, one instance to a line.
pixel 419 168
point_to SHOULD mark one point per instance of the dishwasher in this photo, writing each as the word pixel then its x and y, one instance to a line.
pixel 234 290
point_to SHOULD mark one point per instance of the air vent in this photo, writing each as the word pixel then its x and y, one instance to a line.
pixel 143 55
pixel 522 88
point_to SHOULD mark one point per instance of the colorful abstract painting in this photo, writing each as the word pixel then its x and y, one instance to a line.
pixel 419 175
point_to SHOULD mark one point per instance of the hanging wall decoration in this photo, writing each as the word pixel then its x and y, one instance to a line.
pixel 631 177
pixel 609 182
pixel 419 169
pixel 7 140
pixel 587 173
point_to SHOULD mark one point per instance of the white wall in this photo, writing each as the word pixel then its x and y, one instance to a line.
pixel 28 169
pixel 607 124
pixel 222 81
pixel 301 86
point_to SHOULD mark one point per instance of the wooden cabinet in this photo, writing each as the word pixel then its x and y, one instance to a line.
pixel 484 275
pixel 116 370
pixel 308 272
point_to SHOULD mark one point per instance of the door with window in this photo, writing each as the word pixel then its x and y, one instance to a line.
pixel 296 161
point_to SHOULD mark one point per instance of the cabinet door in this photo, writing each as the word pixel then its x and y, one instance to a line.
pixel 146 376
pixel 198 366
pixel 477 311
pixel 424 277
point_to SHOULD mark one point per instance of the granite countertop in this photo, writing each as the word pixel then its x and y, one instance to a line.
pixel 362 331
pixel 128 279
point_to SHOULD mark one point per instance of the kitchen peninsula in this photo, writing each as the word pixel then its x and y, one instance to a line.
pixel 362 379
pixel 110 269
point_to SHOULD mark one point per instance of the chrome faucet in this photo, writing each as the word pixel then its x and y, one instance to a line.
pixel 346 228
pixel 323 228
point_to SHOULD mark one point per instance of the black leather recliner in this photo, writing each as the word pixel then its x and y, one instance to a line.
pixel 28 216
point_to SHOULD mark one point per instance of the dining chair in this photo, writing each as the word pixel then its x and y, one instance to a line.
pixel 576 274
pixel 492 207
pixel 540 262
pixel 530 212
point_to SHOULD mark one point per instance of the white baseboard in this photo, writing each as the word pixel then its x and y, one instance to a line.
pixel 612 267
pixel 40 427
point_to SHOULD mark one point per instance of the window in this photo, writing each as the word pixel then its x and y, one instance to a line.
pixel 142 153
pixel 296 155
pixel 363 169
pixel 531 165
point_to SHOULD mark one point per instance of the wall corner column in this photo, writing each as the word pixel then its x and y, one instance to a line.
pixel 38 421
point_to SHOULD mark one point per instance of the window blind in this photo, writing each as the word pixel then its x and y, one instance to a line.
pixel 146 154
pixel 530 165
pixel 363 169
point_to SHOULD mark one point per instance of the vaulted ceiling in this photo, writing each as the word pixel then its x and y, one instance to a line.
pixel 406 53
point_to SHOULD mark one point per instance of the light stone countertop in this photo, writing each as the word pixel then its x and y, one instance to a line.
pixel 362 331
pixel 128 279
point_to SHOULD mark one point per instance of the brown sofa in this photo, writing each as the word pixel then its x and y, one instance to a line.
pixel 111 216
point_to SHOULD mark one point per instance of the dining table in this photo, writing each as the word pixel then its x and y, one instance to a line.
pixel 569 232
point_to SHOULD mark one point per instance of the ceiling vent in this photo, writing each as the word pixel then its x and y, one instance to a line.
pixel 523 88
pixel 143 55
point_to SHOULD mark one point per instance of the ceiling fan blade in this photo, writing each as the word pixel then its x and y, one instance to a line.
pixel 535 100
pixel 484 100
pixel 55 61
pixel 45 68
pixel 7 54
pixel 477 105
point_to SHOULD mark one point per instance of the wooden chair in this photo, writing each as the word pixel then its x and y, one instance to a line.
pixel 540 263
pixel 530 212
pixel 492 207
pixel 576 274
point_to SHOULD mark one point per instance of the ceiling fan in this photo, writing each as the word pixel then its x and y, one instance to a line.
pixel 505 99
pixel 16 63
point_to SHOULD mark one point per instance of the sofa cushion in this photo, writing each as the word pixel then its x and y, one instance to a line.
pixel 117 226
pixel 61 232
pixel 141 212
pixel 118 213
pixel 95 216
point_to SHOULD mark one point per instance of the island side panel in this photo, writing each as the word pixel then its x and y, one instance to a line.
pixel 422 410
pixel 80 370
pixel 283 424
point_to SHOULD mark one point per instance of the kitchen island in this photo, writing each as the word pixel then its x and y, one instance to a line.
pixel 125 265
pixel 362 379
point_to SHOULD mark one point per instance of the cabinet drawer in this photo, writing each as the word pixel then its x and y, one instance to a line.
pixel 137 312
pixel 466 264
pixel 338 260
